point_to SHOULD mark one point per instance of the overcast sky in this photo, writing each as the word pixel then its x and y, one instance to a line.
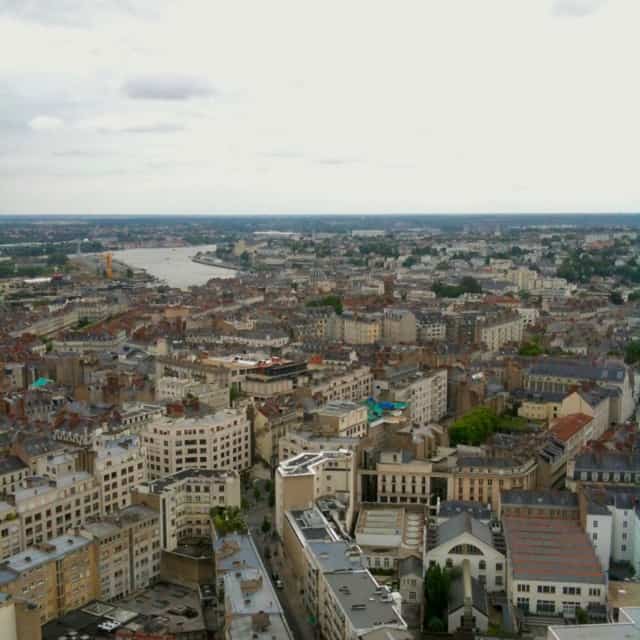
pixel 348 106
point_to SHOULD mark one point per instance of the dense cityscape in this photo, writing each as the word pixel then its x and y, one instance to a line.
pixel 382 427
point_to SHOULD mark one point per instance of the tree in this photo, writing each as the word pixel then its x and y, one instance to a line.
pixel 474 427
pixel 582 616
pixel 257 494
pixel 532 348
pixel 632 352
pixel 228 520
pixel 436 625
pixel 410 262
pixel 437 582
pixel 266 525
pixel 234 393
pixel 616 298
pixel 328 301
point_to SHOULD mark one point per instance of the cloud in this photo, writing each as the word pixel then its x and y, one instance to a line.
pixel 75 13
pixel 576 8
pixel 167 87
pixel 45 123
pixel 129 124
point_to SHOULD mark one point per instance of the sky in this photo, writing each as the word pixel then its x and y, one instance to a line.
pixel 347 106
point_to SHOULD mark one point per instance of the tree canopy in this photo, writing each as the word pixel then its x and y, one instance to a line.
pixel 437 583
pixel 474 427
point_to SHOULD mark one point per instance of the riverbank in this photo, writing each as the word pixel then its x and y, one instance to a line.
pixel 214 262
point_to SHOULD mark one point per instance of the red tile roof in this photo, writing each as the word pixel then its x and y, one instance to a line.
pixel 566 427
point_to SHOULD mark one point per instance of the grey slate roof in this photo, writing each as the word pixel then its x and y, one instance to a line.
pixel 464 523
pixel 610 372
pixel 478 595
pixel 538 498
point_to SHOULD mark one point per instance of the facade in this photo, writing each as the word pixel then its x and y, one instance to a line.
pixel 218 441
pixel 128 550
pixel 426 393
pixel 171 389
pixel 496 332
pixel 399 326
pixel 563 376
pixel 184 501
pixel 118 465
pixel 49 506
pixel 56 577
pixel 463 538
pixel 341 418
pixel 353 385
pixel 483 478
pixel 553 569
pixel 12 473
pixel 305 478
pixel 10 533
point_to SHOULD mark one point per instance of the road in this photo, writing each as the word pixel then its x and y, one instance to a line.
pixel 292 605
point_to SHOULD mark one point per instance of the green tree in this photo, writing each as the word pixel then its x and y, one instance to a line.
pixel 234 393
pixel 328 301
pixel 581 616
pixel 228 520
pixel 437 583
pixel 632 352
pixel 257 494
pixel 266 525
pixel 616 298
pixel 474 428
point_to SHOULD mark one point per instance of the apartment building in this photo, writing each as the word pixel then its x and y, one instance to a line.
pixel 553 569
pixel 425 391
pixel 482 478
pixel 251 607
pixel 57 576
pixel 305 478
pixel 611 518
pixel 399 326
pixel 118 465
pixel 545 406
pixel 337 589
pixel 10 535
pixel 594 402
pixel 134 415
pixel 128 550
pixel 218 441
pixel 12 473
pixel 401 479
pixel 607 468
pixel 184 501
pixel 495 332
pixel 463 538
pixel 355 329
pixel 431 327
pixel 564 376
pixel 341 418
pixel 48 507
pixel 172 389
pixel 353 385
pixel 297 442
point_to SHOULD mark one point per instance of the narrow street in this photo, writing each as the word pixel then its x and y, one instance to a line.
pixel 289 596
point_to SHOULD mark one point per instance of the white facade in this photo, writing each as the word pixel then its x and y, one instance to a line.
pixel 218 441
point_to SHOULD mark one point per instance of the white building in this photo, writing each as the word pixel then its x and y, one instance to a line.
pixel 463 538
pixel 218 441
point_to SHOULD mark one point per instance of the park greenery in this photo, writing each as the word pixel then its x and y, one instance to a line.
pixel 327 301
pixel 466 285
pixel 531 348
pixel 475 427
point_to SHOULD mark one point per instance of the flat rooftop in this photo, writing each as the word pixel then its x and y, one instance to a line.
pixel 160 485
pixel 363 601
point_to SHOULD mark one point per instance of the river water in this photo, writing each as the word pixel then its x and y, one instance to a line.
pixel 173 265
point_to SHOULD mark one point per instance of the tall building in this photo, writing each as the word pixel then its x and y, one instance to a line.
pixel 58 576
pixel 128 550
pixel 218 441
pixel 184 501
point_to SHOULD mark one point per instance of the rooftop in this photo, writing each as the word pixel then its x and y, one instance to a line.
pixel 551 550
pixel 568 426
pixel 363 601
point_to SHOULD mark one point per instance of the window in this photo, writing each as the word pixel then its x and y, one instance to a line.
pixel 498 566
pixel 546 588
pixel 546 606
pixel 482 565
pixel 594 536
pixel 595 524
pixel 522 604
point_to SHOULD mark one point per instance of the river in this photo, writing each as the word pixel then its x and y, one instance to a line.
pixel 173 265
